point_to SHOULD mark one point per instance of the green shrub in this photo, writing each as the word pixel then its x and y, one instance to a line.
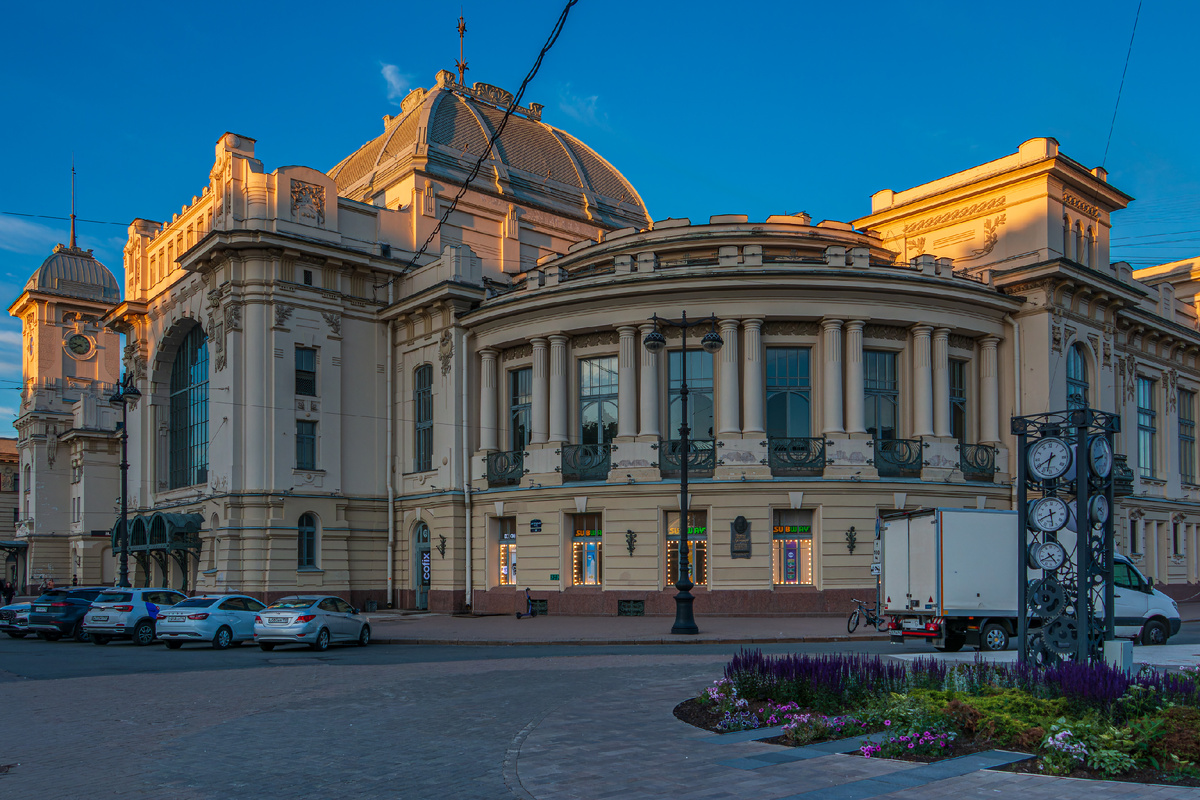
pixel 1008 713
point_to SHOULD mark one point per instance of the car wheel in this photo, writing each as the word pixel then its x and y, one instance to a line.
pixel 79 634
pixel 267 647
pixel 993 638
pixel 173 645
pixel 1154 632
pixel 322 642
pixel 98 638
pixel 143 634
pixel 364 636
pixel 223 638
pixel 17 635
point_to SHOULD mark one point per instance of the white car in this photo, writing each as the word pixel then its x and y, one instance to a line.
pixel 314 620
pixel 122 613
pixel 220 619
pixel 1139 610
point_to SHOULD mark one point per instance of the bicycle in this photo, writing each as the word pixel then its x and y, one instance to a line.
pixel 866 613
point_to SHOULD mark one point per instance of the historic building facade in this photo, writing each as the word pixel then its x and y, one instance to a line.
pixel 324 409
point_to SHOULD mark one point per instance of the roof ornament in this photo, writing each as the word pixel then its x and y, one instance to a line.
pixel 461 63
pixel 72 202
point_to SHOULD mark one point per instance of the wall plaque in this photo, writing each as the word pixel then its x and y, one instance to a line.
pixel 739 538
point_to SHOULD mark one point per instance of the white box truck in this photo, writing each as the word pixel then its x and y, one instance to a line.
pixel 949 577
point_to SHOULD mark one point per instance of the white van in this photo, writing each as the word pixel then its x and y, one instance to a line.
pixel 1139 610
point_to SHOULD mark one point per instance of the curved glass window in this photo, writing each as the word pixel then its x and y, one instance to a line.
pixel 188 438
pixel 306 543
pixel 1077 377
pixel 597 400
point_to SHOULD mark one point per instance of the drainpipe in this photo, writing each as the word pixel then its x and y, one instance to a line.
pixel 465 366
pixel 1016 337
pixel 390 467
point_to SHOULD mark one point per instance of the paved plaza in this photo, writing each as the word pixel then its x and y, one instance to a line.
pixel 424 722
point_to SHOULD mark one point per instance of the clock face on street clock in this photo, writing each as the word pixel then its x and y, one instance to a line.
pixel 79 345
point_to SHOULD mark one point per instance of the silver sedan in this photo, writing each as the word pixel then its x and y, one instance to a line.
pixel 314 620
pixel 222 619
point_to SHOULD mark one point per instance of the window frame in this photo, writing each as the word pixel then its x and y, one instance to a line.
pixel 520 407
pixel 1077 377
pixel 958 368
pixel 579 545
pixel 671 548
pixel 306 542
pixel 506 553
pixel 598 392
pixel 1147 427
pixel 791 387
pixel 187 412
pixel 874 395
pixel 423 418
pixel 696 388
pixel 306 445
pixel 306 373
pixel 1186 403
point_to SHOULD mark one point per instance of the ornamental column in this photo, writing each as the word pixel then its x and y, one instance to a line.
pixel 831 375
pixel 941 382
pixel 729 412
pixel 855 375
pixel 649 389
pixel 989 391
pixel 539 406
pixel 922 382
pixel 754 380
pixel 487 399
pixel 558 388
pixel 627 382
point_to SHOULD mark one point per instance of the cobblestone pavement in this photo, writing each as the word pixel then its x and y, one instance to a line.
pixel 590 727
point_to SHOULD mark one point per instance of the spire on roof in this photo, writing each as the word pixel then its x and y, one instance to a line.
pixel 461 63
pixel 72 202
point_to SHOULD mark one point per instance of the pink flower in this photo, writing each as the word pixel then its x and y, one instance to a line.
pixel 910 746
pixel 887 722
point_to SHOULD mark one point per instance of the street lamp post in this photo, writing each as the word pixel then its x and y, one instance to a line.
pixel 126 393
pixel 685 621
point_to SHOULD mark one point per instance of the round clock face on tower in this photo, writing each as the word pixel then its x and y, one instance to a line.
pixel 1098 509
pixel 1050 555
pixel 1048 459
pixel 79 345
pixel 1048 514
pixel 1100 456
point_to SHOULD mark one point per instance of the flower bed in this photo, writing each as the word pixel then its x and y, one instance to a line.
pixel 1081 720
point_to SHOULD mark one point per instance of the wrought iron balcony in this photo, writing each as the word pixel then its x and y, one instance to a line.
pixel 795 456
pixel 701 457
pixel 585 462
pixel 898 458
pixel 1122 476
pixel 977 462
pixel 505 468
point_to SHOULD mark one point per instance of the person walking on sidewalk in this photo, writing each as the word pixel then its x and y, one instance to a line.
pixel 8 591
pixel 529 612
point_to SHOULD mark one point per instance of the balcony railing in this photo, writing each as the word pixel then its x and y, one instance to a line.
pixel 585 462
pixel 701 457
pixel 505 468
pixel 795 456
pixel 898 458
pixel 1122 476
pixel 977 462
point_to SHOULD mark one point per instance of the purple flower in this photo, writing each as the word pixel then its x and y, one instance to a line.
pixel 887 722
pixel 910 747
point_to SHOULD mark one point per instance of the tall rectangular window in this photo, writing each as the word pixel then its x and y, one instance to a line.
pixel 697 546
pixel 882 390
pixel 789 388
pixel 587 543
pixel 597 400
pixel 792 548
pixel 306 371
pixel 958 400
pixel 423 418
pixel 1147 427
pixel 508 550
pixel 700 393
pixel 306 444
pixel 520 401
pixel 1187 436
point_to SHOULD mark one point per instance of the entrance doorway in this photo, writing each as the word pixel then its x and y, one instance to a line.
pixel 423 566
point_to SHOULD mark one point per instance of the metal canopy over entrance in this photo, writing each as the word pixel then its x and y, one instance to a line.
pixel 160 538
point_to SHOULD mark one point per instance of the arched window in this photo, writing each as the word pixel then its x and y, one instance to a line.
pixel 1077 377
pixel 188 443
pixel 423 415
pixel 306 542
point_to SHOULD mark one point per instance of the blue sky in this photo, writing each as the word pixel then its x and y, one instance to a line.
pixel 706 108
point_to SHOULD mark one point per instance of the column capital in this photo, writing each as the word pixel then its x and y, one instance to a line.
pixel 539 341
pixel 725 324
pixel 627 330
pixel 829 323
pixel 488 352
pixel 646 327
pixel 990 341
pixel 942 333
pixel 559 338
pixel 752 323
pixel 922 329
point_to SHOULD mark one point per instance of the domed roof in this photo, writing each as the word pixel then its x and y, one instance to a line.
pixel 75 272
pixel 448 127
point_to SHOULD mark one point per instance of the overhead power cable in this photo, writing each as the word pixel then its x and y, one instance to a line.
pixel 1121 88
pixel 487 152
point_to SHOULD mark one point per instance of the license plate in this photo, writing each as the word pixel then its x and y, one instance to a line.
pixel 99 619
pixel 173 619
pixel 277 620
pixel 41 608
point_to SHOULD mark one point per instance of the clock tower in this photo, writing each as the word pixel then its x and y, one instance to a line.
pixel 66 440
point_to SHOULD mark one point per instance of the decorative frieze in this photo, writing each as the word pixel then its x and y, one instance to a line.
pixel 893 333
pixel 790 328
pixel 1080 206
pixel 960 342
pixel 595 339
pixel 520 351
pixel 308 203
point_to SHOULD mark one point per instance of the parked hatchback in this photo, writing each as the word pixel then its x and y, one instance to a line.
pixel 60 612
pixel 14 620
pixel 128 614
pixel 222 619
pixel 315 620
